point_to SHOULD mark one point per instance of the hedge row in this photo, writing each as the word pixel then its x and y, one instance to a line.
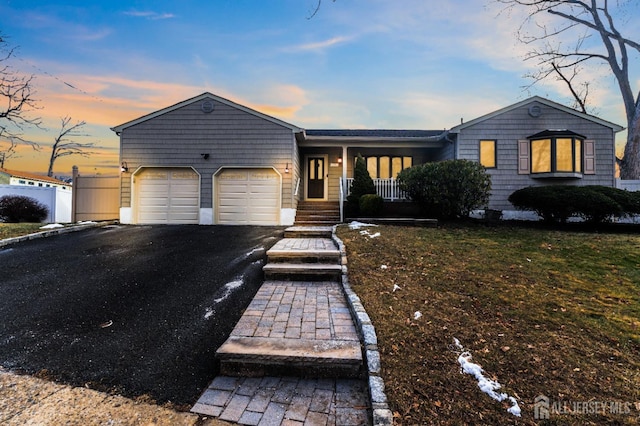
pixel 593 203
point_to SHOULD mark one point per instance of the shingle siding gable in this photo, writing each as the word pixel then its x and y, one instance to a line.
pixel 230 136
pixel 517 124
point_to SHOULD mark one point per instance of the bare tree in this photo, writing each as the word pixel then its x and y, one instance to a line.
pixel 315 9
pixel 64 144
pixel 592 19
pixel 16 99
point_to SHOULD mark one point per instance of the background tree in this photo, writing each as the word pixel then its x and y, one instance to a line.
pixel 16 100
pixel 584 21
pixel 64 145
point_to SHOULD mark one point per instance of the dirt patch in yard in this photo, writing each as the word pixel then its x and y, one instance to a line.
pixel 547 314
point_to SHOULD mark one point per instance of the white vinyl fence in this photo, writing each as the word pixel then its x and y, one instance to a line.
pixel 57 200
pixel 629 185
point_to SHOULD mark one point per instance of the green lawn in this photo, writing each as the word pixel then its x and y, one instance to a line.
pixel 10 230
pixel 543 312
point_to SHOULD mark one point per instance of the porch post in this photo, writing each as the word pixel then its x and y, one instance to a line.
pixel 344 166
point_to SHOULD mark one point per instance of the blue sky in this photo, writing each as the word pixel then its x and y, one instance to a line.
pixel 410 64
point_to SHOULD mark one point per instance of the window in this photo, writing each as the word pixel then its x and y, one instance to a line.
pixel 385 167
pixel 488 154
pixel 556 152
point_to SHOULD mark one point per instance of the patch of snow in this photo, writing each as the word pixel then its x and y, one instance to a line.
pixel 486 385
pixel 228 289
pixel 417 315
pixel 396 287
pixel 357 225
pixel 208 312
pixel 366 232
pixel 52 226
pixel 87 222
pixel 383 266
pixel 254 251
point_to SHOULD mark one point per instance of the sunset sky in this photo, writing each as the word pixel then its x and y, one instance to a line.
pixel 405 64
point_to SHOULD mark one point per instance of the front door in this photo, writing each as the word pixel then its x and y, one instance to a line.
pixel 315 177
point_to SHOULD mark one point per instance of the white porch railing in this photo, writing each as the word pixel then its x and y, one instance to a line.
pixel 386 188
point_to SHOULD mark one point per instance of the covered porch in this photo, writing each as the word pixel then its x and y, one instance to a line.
pixel 327 159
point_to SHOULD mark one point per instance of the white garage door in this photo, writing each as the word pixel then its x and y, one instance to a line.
pixel 248 197
pixel 167 195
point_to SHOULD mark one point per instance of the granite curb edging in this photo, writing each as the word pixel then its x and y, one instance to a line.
pixel 382 415
pixel 55 231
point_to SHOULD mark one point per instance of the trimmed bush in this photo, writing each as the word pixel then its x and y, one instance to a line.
pixel 362 184
pixel 447 189
pixel 593 203
pixel 371 204
pixel 552 203
pixel 18 208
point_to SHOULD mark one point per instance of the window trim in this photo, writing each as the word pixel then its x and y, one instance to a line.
pixel 553 136
pixel 588 156
pixel 390 157
pixel 495 153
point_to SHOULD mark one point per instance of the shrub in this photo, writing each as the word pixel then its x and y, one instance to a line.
pixel 447 189
pixel 362 184
pixel 371 204
pixel 552 203
pixel 593 203
pixel 18 208
pixel 595 206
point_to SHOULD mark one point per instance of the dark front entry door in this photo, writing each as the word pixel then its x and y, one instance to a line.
pixel 315 177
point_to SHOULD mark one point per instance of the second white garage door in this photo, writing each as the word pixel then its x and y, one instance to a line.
pixel 167 196
pixel 248 197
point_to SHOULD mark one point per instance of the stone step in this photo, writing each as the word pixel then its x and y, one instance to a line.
pixel 304 256
pixel 309 358
pixel 300 231
pixel 302 271
pixel 316 222
pixel 317 215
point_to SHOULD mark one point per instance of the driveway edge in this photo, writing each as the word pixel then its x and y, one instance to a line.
pixel 382 415
pixel 57 231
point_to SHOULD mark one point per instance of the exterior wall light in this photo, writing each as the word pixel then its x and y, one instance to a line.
pixel 286 168
pixel 124 167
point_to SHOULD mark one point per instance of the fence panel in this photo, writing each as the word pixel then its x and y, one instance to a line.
pixel 629 185
pixel 96 198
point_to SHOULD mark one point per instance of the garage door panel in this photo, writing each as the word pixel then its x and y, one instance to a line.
pixel 248 197
pixel 167 196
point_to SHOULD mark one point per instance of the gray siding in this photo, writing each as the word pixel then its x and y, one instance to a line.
pixel 230 136
pixel 516 124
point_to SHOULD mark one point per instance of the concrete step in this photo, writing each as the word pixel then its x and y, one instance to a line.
pixel 265 356
pixel 301 231
pixel 302 271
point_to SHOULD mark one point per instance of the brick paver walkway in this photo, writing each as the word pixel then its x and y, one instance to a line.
pixel 286 401
pixel 298 310
pixel 303 327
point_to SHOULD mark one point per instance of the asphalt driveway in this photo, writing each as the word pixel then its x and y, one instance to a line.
pixel 138 310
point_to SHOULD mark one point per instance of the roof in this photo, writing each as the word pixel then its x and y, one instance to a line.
pixel 32 176
pixel 202 97
pixel 543 101
pixel 556 134
pixel 375 133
